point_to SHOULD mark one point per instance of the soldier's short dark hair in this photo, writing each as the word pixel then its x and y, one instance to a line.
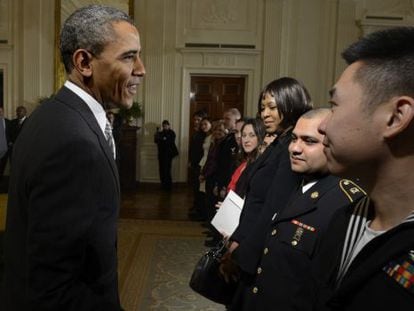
pixel 387 58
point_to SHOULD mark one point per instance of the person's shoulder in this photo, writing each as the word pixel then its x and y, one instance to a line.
pixel 351 191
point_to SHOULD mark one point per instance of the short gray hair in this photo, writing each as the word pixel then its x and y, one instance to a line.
pixel 89 28
pixel 234 112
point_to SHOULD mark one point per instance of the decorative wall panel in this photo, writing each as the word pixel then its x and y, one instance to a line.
pixel 5 21
pixel 219 22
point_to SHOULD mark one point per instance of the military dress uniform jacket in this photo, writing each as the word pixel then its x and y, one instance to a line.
pixel 61 231
pixel 278 186
pixel 380 278
pixel 283 279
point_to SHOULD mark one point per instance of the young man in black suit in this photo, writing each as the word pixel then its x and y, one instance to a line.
pixel 61 230
pixel 367 259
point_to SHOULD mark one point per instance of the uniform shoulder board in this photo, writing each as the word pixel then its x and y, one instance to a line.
pixel 352 191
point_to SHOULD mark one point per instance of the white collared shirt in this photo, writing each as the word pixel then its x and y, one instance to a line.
pixel 92 103
pixel 308 186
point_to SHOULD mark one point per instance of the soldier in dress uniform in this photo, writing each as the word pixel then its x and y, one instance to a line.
pixel 283 280
pixel 367 259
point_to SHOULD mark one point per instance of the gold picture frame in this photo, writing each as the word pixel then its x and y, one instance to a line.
pixel 63 8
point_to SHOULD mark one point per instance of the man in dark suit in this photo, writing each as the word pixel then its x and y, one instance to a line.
pixel 195 154
pixel 4 141
pixel 167 150
pixel 283 279
pixel 15 127
pixel 61 230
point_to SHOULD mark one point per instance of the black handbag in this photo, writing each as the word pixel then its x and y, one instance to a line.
pixel 206 279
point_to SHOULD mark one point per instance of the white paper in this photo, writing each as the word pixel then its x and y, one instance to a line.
pixel 227 217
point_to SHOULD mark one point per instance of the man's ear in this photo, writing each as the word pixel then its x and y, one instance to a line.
pixel 82 60
pixel 400 117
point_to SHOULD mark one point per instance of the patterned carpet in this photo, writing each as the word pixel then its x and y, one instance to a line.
pixel 156 259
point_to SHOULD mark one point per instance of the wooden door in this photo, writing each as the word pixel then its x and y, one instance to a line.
pixel 216 94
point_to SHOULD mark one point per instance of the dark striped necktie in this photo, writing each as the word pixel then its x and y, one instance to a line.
pixel 110 138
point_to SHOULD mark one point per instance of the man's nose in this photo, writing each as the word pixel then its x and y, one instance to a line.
pixel 139 68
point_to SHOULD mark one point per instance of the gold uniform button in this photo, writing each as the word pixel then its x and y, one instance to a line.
pixel 255 290
pixel 259 270
pixel 315 195
pixel 274 231
pixel 294 242
pixel 265 251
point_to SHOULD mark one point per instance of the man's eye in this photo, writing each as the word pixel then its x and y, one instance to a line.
pixel 130 56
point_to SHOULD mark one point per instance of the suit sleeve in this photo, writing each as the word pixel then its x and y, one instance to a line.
pixel 65 196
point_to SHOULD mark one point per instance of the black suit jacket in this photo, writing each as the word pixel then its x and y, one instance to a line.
pixel 61 229
pixel 226 160
pixel 14 129
pixel 269 179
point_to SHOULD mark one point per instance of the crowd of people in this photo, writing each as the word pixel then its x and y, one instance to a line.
pixel 328 218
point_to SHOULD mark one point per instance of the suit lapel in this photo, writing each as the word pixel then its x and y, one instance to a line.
pixel 72 100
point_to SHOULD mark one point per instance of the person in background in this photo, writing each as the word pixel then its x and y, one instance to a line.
pixel 252 135
pixel 367 258
pixel 283 279
pixel 16 126
pixel 252 132
pixel 271 181
pixel 195 155
pixel 209 173
pixel 4 139
pixel 237 131
pixel 167 150
pixel 206 127
pixel 63 206
pixel 227 154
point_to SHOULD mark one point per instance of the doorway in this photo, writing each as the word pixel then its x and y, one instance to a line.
pixel 216 94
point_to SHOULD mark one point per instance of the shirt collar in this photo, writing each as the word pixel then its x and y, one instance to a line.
pixel 92 103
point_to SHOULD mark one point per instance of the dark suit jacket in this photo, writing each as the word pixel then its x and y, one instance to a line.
pixel 7 124
pixel 14 129
pixel 61 229
pixel 270 178
pixel 226 160
pixel 4 158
